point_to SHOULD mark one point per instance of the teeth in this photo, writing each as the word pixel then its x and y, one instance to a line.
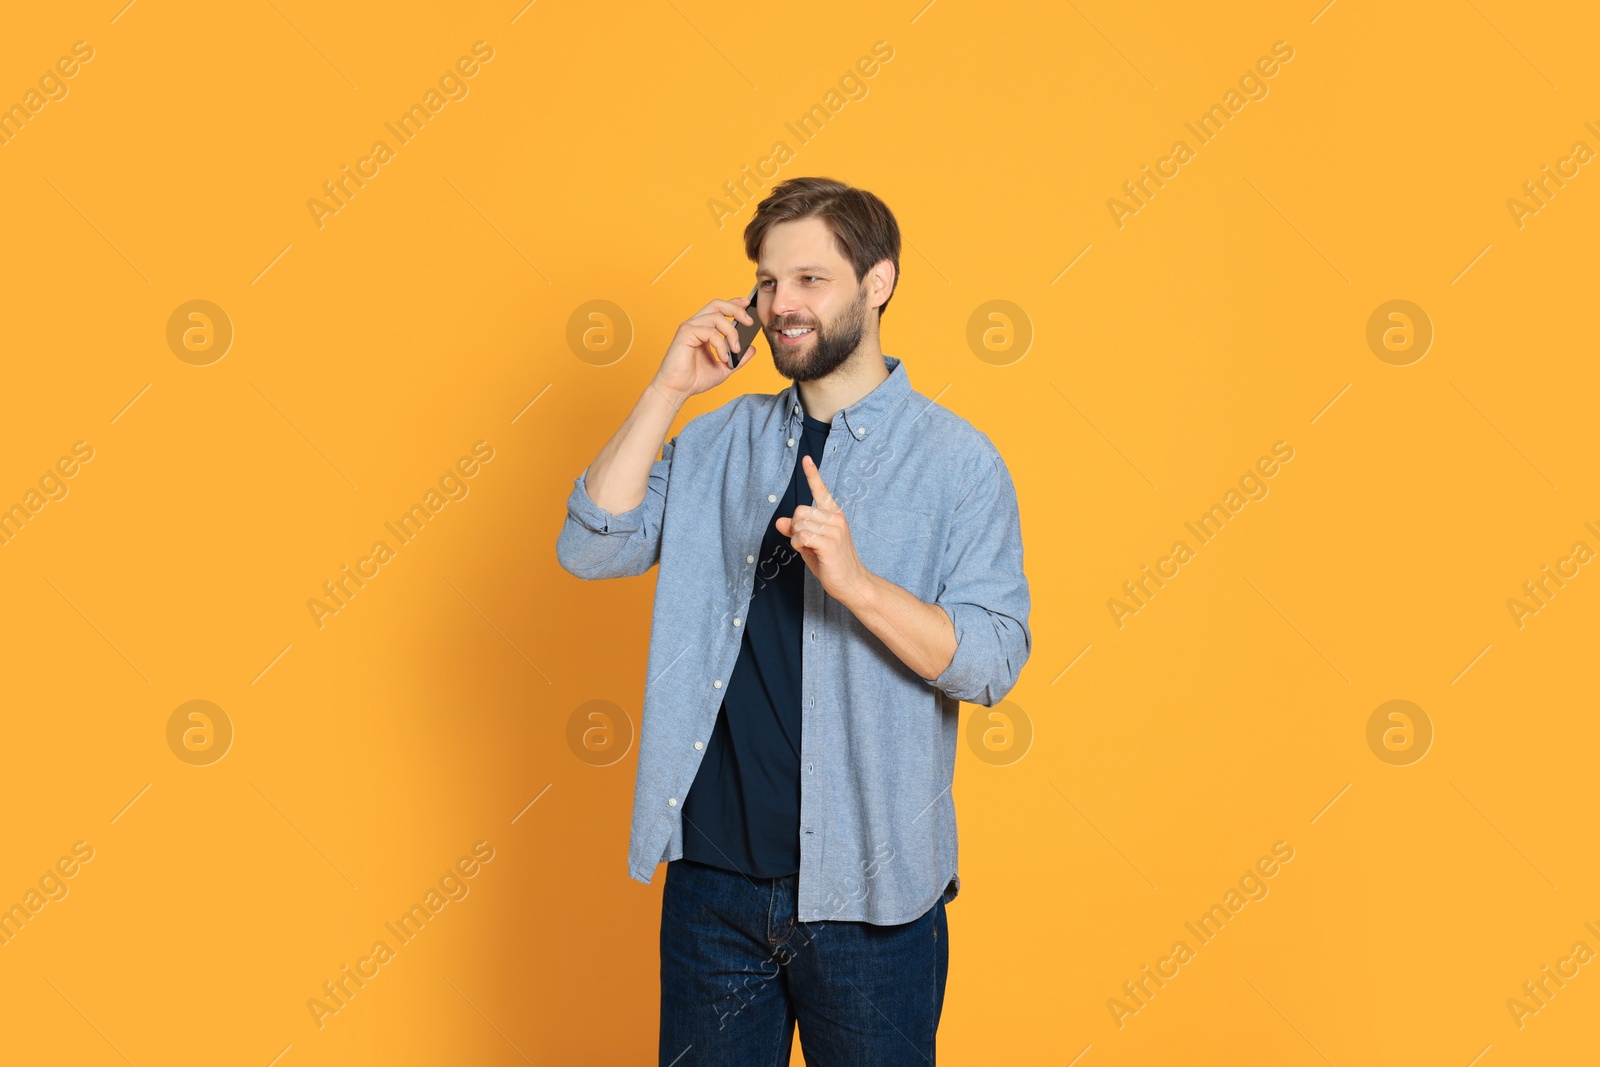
pixel 796 333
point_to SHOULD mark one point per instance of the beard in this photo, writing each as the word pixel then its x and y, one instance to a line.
pixel 829 346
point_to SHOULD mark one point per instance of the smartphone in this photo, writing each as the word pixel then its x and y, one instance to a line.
pixel 747 334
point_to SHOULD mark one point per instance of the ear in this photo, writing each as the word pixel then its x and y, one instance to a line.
pixel 880 281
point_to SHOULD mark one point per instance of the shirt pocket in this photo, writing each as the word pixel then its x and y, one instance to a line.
pixel 897 544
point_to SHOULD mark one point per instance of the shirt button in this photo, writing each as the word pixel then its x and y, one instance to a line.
pixel 771 499
pixel 791 442
pixel 717 684
pixel 672 802
pixel 749 559
pixel 699 745
pixel 860 430
pixel 736 622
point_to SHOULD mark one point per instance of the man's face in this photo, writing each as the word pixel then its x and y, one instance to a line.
pixel 807 285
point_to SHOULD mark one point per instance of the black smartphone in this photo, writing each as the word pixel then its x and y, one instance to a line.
pixel 747 334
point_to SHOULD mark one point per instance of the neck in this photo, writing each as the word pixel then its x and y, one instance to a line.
pixel 857 376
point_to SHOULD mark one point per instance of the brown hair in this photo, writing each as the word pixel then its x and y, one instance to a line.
pixel 863 227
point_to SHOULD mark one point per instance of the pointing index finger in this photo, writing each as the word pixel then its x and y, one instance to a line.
pixel 820 496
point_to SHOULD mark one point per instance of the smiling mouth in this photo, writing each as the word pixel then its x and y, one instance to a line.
pixel 794 335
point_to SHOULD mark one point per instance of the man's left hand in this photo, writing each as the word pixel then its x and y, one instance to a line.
pixel 821 534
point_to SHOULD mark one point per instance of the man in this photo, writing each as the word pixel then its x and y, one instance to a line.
pixel 841 565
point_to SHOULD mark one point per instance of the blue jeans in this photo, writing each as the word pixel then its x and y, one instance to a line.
pixel 738 970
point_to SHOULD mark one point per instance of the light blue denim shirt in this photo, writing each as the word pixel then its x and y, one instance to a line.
pixel 932 508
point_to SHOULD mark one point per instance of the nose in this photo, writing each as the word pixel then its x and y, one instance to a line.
pixel 784 300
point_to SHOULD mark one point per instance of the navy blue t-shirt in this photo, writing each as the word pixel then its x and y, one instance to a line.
pixel 743 811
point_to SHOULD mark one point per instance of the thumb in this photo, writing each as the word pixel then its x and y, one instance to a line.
pixel 784 524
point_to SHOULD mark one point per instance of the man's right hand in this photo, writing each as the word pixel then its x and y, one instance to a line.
pixel 698 359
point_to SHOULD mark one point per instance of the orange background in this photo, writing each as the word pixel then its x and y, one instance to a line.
pixel 432 711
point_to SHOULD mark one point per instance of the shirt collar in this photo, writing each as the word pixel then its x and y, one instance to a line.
pixel 866 415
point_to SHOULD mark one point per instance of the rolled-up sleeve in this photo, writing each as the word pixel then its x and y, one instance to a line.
pixel 596 543
pixel 984 591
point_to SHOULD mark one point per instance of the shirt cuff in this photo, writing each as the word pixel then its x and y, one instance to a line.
pixel 597 518
pixel 964 677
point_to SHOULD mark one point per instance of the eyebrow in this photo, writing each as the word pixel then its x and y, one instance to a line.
pixel 809 268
